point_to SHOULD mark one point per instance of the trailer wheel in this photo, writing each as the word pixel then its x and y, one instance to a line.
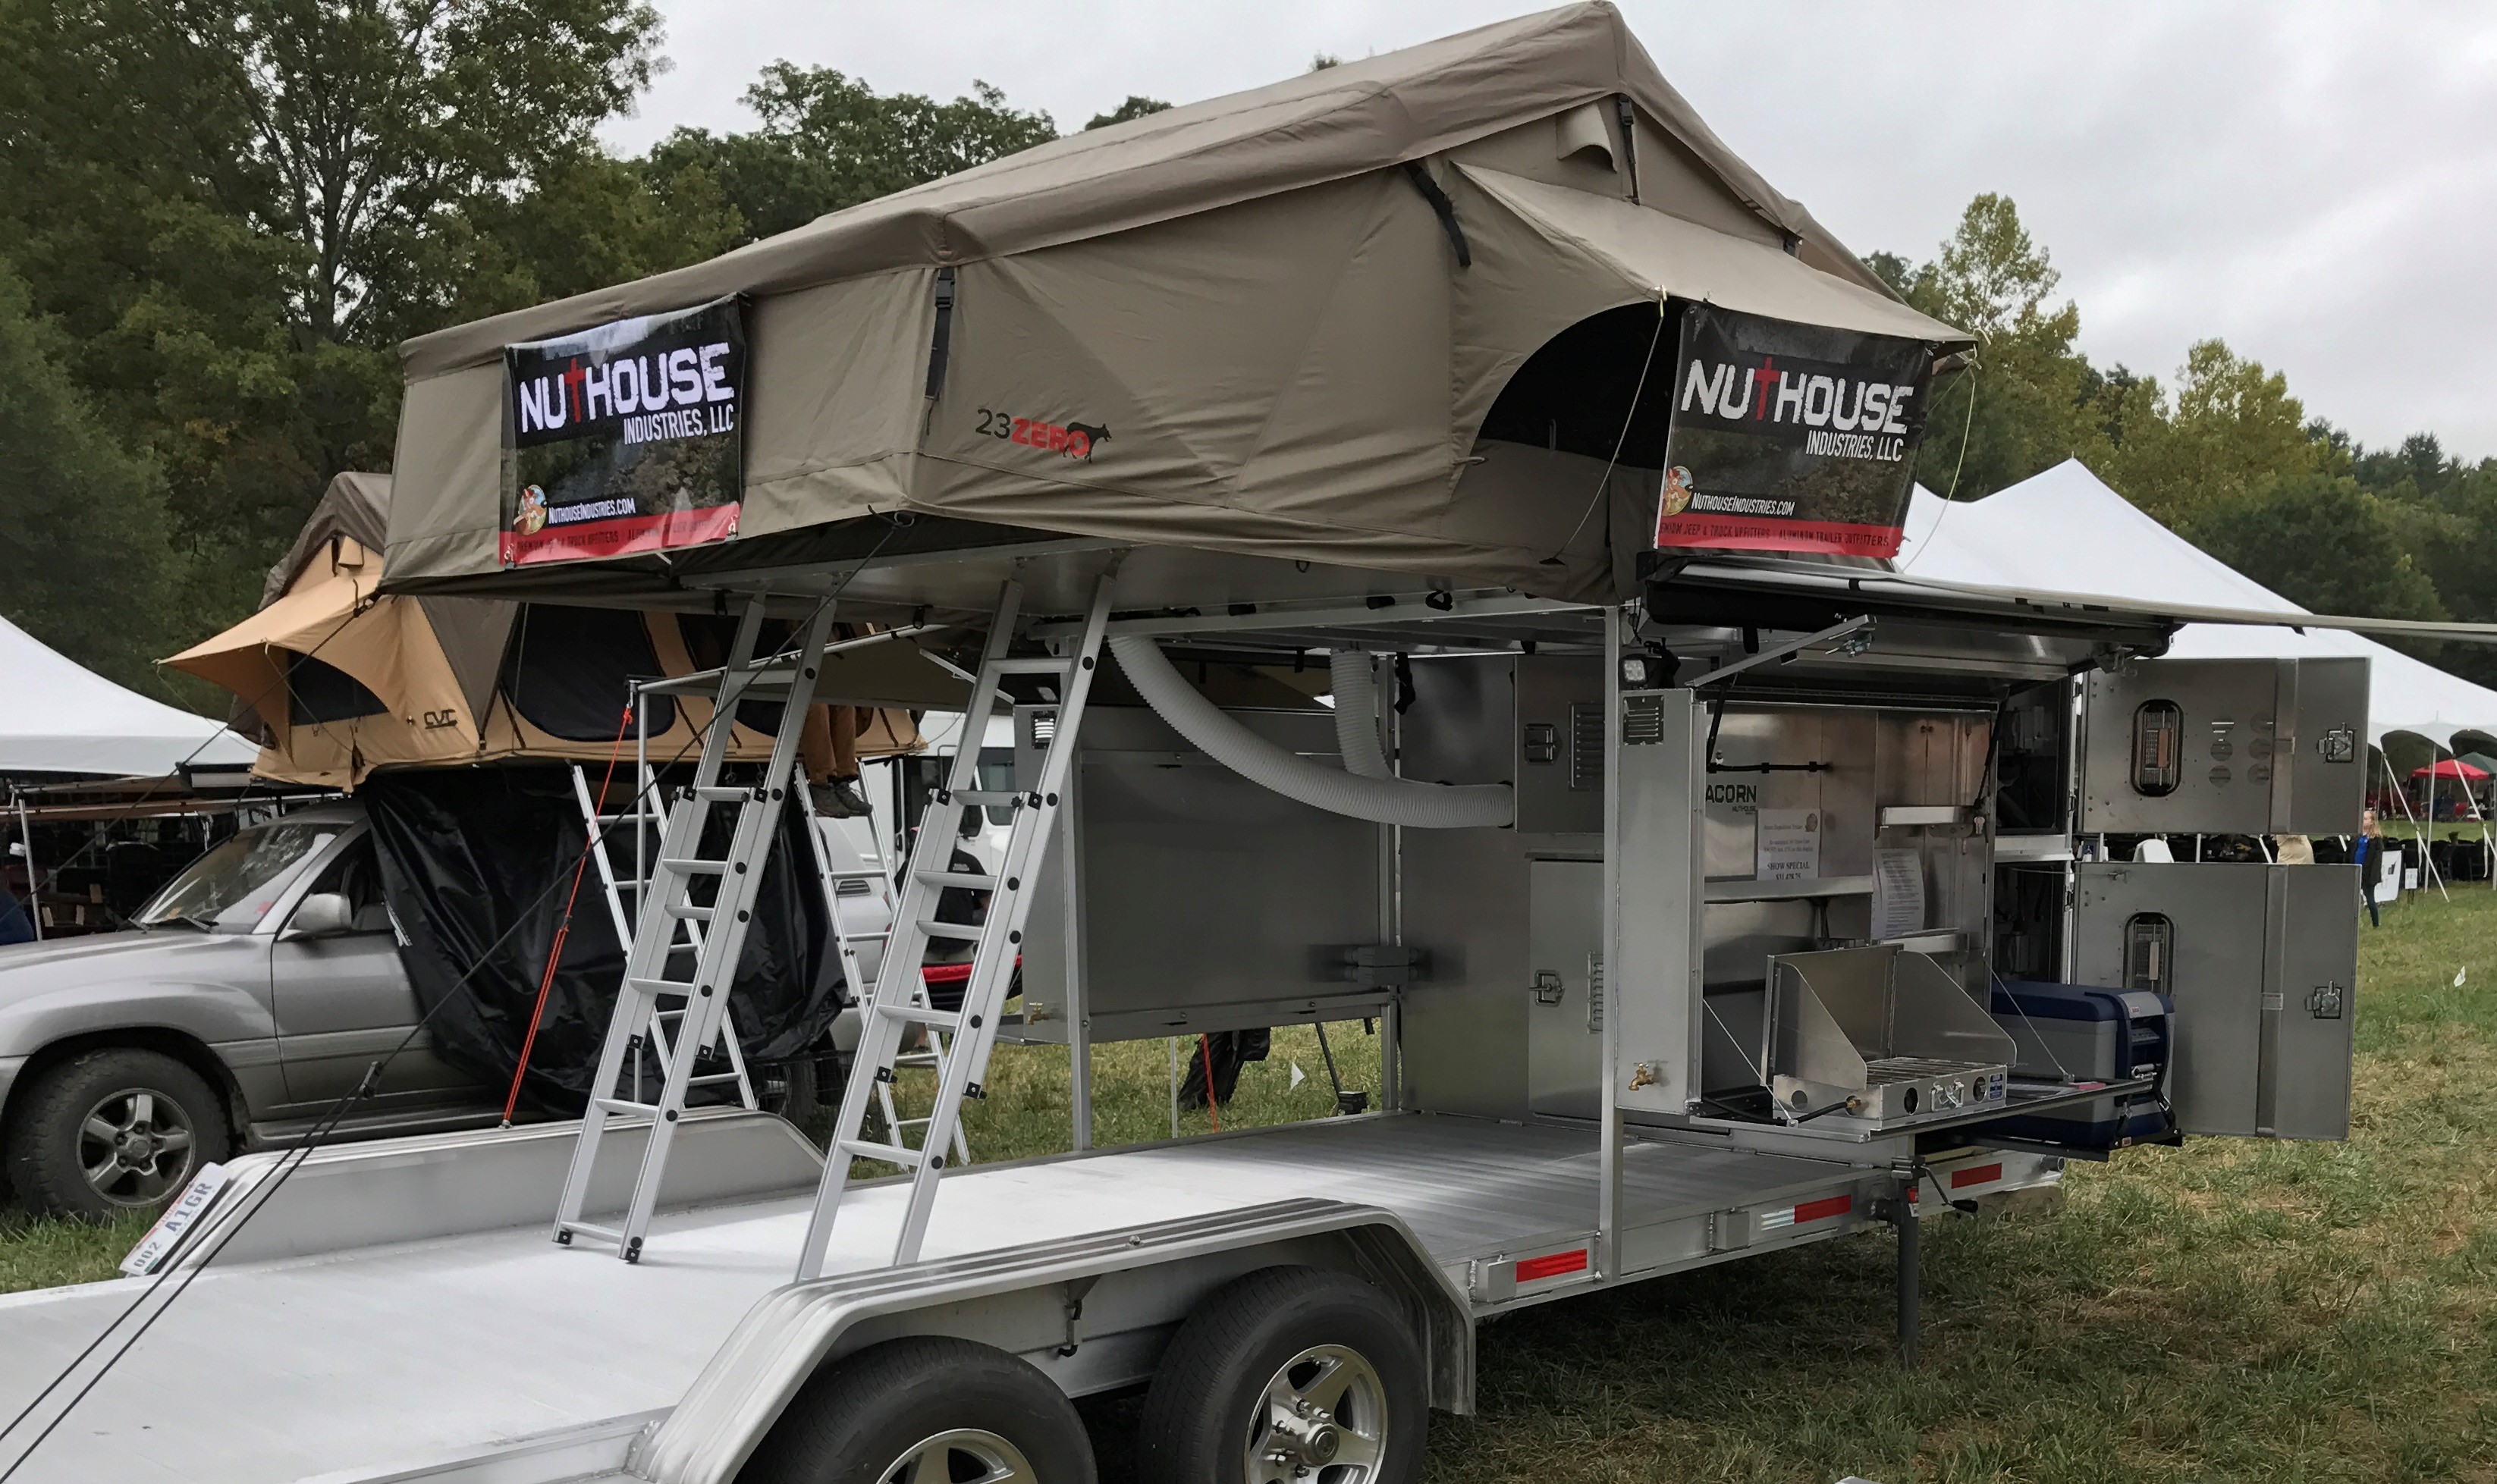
pixel 925 1410
pixel 1288 1375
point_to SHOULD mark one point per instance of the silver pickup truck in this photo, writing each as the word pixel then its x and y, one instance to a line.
pixel 254 992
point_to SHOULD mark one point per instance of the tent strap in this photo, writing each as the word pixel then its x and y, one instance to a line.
pixel 1443 207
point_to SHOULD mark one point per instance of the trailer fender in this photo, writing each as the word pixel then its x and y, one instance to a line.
pixel 1092 1311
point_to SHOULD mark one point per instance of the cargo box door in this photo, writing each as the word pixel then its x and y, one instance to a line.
pixel 2225 747
pixel 2260 961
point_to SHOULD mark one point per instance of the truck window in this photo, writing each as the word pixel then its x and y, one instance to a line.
pixel 231 885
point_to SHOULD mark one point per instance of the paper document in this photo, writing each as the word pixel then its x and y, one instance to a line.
pixel 1898 894
pixel 1788 845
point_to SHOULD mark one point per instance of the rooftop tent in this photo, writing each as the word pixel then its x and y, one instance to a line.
pixel 64 719
pixel 1272 324
pixel 340 680
pixel 2065 532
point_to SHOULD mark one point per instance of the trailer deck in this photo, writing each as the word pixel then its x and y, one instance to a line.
pixel 433 1358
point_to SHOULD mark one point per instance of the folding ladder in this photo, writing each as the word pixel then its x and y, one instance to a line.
pixel 877 878
pixel 647 995
pixel 901 1000
pixel 645 813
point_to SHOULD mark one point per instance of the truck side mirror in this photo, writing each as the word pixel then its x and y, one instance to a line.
pixel 323 914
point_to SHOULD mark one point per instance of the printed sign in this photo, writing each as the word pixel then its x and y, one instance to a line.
pixel 1790 845
pixel 1789 437
pixel 624 438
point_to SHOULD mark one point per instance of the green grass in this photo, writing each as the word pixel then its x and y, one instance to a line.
pixel 2226 1310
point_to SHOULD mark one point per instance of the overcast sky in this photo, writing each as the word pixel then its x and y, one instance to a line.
pixel 2314 181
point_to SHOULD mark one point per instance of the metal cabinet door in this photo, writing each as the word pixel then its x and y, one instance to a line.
pixel 2225 747
pixel 2259 961
pixel 1565 1026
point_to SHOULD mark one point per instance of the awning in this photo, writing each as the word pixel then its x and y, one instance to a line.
pixel 1659 254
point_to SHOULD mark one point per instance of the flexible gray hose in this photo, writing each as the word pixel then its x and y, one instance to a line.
pixel 1402 801
pixel 1356 714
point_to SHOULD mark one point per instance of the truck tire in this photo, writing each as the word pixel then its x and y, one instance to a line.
pixel 923 1410
pixel 1288 1375
pixel 109 1132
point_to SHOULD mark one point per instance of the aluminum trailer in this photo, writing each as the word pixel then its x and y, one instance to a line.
pixel 396 1312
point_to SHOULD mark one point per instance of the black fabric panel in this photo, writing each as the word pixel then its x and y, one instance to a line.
pixel 467 854
pixel 709 638
pixel 569 671
pixel 318 691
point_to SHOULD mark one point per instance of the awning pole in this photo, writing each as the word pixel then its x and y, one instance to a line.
pixel 34 888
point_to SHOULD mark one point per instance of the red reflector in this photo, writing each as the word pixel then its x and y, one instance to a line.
pixel 1835 1206
pixel 1551 1265
pixel 1976 1175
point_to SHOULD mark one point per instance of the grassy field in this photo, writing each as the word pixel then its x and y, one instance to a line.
pixel 2227 1310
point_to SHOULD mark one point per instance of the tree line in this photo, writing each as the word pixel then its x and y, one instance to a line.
pixel 219 217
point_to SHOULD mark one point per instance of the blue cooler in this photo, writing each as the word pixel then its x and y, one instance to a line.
pixel 2085 1034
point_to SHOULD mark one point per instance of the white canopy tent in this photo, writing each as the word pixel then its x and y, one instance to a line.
pixel 58 717
pixel 2066 531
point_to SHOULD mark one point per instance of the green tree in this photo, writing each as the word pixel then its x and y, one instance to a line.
pixel 83 548
pixel 830 141
pixel 1137 106
pixel 234 207
pixel 2322 542
pixel 2231 430
pixel 2024 404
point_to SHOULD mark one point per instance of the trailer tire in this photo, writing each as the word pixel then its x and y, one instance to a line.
pixel 1269 1339
pixel 867 1419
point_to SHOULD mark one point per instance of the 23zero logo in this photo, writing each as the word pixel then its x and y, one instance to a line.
pixel 1075 440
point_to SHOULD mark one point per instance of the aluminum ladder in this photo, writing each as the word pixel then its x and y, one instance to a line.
pixel 647 994
pixel 877 877
pixel 899 1002
pixel 643 813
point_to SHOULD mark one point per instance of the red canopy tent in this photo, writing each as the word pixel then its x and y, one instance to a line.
pixel 2451 768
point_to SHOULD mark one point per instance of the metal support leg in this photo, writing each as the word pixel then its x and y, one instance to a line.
pixel 1608 1123
pixel 1901 1213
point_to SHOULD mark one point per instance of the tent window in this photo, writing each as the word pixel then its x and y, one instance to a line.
pixel 1574 394
pixel 708 637
pixel 317 691
pixel 569 671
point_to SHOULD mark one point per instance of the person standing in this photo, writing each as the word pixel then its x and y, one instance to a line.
pixel 2367 852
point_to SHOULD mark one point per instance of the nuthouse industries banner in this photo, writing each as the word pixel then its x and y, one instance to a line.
pixel 624 438
pixel 1789 437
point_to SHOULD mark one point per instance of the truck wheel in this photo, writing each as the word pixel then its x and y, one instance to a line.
pixel 109 1132
pixel 925 1410
pixel 1288 1375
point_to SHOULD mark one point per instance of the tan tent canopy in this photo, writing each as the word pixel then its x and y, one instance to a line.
pixel 1296 319
pixel 342 680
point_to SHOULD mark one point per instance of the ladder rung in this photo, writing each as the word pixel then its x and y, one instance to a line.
pixel 874 936
pixel 922 1015
pixel 978 880
pixel 1030 665
pixel 720 795
pixel 855 875
pixel 625 1105
pixel 687 910
pixel 986 798
pixel 602 1233
pixel 968 932
pixel 707 1078
pixel 701 868
pixel 890 1153
pixel 657 987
